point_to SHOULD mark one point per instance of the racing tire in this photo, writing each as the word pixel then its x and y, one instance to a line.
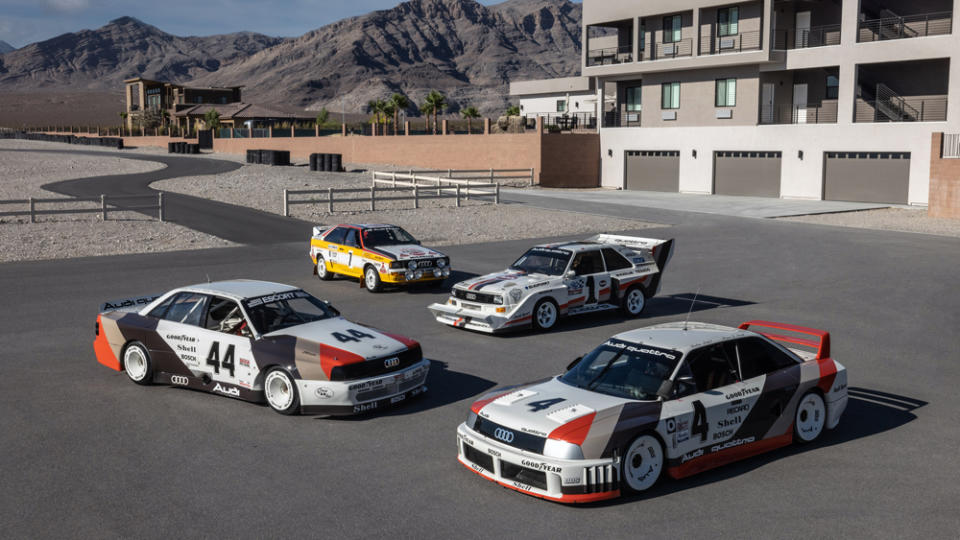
pixel 642 464
pixel 137 364
pixel 280 391
pixel 545 314
pixel 322 272
pixel 810 419
pixel 634 301
pixel 371 279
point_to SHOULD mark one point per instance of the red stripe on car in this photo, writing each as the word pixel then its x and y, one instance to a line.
pixel 574 431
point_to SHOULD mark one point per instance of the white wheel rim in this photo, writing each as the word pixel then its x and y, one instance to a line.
pixel 371 278
pixel 135 362
pixel 635 301
pixel 279 390
pixel 321 267
pixel 811 416
pixel 643 463
pixel 546 315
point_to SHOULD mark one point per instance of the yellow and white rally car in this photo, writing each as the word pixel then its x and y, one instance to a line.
pixel 377 254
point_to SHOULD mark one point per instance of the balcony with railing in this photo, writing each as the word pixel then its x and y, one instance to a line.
pixel 811 113
pixel 671 49
pixel 729 29
pixel 610 43
pixel 805 38
pixel 891 25
pixel 802 96
pixel 740 42
pixel 610 55
pixel 915 91
pixel 884 105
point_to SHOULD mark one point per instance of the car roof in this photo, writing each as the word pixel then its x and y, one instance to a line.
pixel 682 336
pixel 576 246
pixel 239 289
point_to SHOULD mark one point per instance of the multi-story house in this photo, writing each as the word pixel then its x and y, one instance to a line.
pixel 143 94
pixel 832 99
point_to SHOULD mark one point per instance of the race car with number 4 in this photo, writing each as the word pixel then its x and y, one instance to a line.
pixel 259 341
pixel 553 280
pixel 678 398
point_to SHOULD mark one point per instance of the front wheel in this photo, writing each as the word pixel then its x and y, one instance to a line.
pixel 545 314
pixel 810 419
pixel 322 271
pixel 281 391
pixel 136 362
pixel 371 279
pixel 634 302
pixel 642 464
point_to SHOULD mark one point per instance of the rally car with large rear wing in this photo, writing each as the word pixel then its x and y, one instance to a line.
pixel 259 341
pixel 549 281
pixel 678 398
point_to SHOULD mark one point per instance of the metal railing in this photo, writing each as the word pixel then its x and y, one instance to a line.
pixel 672 49
pixel 913 110
pixel 825 113
pixel 817 36
pixel 464 177
pixel 950 146
pixel 907 26
pixel 107 204
pixel 610 55
pixel 563 121
pixel 743 41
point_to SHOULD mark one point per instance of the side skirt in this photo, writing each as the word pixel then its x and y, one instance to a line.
pixel 213 387
pixel 710 460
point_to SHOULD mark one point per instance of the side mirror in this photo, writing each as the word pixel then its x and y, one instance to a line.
pixel 333 310
pixel 573 364
pixel 666 389
pixel 570 274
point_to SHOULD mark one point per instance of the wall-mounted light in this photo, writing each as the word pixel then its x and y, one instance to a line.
pixel 610 152
pixel 576 104
pixel 694 153
pixel 800 154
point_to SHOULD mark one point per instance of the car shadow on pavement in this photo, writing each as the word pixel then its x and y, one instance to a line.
pixel 869 412
pixel 443 388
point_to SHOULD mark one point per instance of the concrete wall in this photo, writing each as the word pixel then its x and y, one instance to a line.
pixel 547 104
pixel 698 97
pixel 944 182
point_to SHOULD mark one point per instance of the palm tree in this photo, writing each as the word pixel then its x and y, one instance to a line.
pixel 123 123
pixel 376 106
pixel 425 109
pixel 470 113
pixel 389 111
pixel 399 102
pixel 437 102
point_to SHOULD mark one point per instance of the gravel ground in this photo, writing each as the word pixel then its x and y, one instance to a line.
pixel 78 235
pixel 888 219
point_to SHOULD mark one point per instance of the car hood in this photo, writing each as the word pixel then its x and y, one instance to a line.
pixel 346 336
pixel 501 282
pixel 403 252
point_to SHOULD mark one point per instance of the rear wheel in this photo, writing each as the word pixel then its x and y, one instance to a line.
pixel 642 464
pixel 634 301
pixel 545 314
pixel 322 271
pixel 371 279
pixel 810 419
pixel 136 362
pixel 281 391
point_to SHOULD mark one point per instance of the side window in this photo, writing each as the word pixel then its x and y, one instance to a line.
pixel 336 236
pixel 614 260
pixel 684 384
pixel 352 239
pixel 758 357
pixel 160 310
pixel 225 316
pixel 588 262
pixel 187 308
pixel 712 367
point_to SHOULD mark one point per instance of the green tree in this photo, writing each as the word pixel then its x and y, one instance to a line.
pixel 151 118
pixel 212 119
pixel 470 113
pixel 437 102
pixel 323 116
pixel 513 110
pixel 389 112
pixel 425 109
pixel 399 102
pixel 376 107
pixel 123 121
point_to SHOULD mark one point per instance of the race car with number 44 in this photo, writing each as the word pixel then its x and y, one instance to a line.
pixel 678 398
pixel 259 341
pixel 553 280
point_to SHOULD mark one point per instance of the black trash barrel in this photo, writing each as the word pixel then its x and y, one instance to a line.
pixel 336 165
pixel 328 162
pixel 313 162
pixel 171 147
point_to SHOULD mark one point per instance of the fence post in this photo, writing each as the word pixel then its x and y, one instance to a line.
pixel 330 200
pixel 32 218
pixel 394 178
pixel 496 197
pixel 416 196
pixel 458 195
pixel 531 176
pixel 449 173
pixel 160 206
pixel 103 207
pixel 286 204
pixel 373 200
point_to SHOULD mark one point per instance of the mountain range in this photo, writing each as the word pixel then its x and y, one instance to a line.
pixel 466 50
pixel 6 47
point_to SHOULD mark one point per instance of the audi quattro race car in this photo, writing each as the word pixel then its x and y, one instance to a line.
pixel 551 280
pixel 376 254
pixel 676 397
pixel 260 341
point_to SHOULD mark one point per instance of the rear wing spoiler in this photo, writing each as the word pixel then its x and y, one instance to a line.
pixel 128 304
pixel 661 250
pixel 319 230
pixel 821 345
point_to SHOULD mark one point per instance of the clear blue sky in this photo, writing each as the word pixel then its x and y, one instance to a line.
pixel 27 21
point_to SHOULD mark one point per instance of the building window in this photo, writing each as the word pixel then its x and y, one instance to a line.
pixel 643 34
pixel 670 95
pixel 833 87
pixel 726 92
pixel 198 99
pixel 728 21
pixel 671 29
pixel 223 100
pixel 561 105
pixel 634 99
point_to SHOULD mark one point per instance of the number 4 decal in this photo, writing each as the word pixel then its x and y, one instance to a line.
pixel 699 421
pixel 213 358
pixel 537 406
pixel 354 335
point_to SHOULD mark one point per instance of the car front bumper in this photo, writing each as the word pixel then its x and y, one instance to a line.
pixel 480 321
pixel 560 480
pixel 338 398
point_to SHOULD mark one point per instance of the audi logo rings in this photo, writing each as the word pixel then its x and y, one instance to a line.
pixel 504 435
pixel 179 379
pixel 391 362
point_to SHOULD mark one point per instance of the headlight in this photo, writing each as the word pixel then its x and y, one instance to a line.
pixel 437 272
pixel 409 275
pixel 441 263
pixel 498 300
pixel 396 265
pixel 515 294
pixel 418 274
pixel 471 419
pixel 561 450
pixel 446 272
pixel 412 265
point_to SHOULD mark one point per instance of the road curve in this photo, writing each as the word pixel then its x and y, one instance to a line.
pixel 230 222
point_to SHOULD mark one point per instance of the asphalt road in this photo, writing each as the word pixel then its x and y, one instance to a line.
pixel 87 453
pixel 234 223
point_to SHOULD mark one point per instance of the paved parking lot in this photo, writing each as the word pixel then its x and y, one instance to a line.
pixel 86 453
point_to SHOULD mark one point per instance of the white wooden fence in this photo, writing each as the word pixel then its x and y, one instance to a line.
pixel 104 208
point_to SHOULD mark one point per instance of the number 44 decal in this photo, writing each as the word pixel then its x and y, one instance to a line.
pixel 213 358
pixel 351 335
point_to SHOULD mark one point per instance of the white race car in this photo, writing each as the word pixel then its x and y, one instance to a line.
pixel 552 280
pixel 676 398
pixel 259 341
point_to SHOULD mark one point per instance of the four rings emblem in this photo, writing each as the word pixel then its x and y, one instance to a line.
pixel 180 379
pixel 391 362
pixel 504 435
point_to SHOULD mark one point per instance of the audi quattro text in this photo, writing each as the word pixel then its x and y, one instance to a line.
pixel 552 280
pixel 260 341
pixel 377 254
pixel 679 397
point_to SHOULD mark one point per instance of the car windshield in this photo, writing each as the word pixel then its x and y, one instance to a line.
pixel 283 310
pixel 623 369
pixel 387 236
pixel 537 260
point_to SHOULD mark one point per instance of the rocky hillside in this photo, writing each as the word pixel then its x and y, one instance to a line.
pixel 5 47
pixel 465 49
